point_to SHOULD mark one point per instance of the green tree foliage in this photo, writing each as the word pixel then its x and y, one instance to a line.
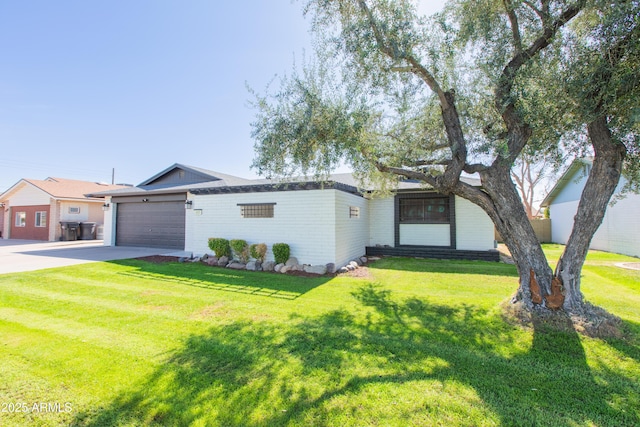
pixel 397 95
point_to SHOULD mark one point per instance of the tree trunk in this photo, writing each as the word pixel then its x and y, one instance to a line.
pixel 601 184
pixel 499 199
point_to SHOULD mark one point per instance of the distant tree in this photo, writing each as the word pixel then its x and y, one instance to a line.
pixel 394 94
pixel 532 179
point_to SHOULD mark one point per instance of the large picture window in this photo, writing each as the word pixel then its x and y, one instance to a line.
pixel 429 210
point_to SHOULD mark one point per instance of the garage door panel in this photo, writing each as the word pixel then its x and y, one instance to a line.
pixel 152 224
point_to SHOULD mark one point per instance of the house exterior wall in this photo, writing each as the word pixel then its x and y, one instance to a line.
pixel 352 233
pixel 67 215
pixel 28 195
pixel 2 225
pixel 425 234
pixel 474 228
pixel 620 228
pixel 305 220
pixel 619 231
pixel 381 222
pixel 30 231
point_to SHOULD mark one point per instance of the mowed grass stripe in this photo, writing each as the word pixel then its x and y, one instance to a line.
pixel 119 340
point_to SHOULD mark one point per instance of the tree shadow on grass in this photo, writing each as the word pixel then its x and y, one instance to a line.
pixel 325 370
pixel 238 281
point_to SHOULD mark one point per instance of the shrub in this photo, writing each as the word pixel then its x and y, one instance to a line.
pixel 281 252
pixel 220 246
pixel 240 249
pixel 258 251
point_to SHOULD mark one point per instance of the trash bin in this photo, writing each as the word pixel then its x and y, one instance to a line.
pixel 69 230
pixel 87 231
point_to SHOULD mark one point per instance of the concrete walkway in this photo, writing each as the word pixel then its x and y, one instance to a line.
pixel 28 255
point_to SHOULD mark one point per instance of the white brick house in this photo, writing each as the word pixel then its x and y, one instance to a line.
pixel 331 221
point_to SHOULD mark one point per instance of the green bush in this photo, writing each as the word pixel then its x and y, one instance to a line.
pixel 258 251
pixel 240 249
pixel 220 246
pixel 281 252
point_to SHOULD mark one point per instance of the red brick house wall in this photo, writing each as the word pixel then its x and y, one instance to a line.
pixel 29 231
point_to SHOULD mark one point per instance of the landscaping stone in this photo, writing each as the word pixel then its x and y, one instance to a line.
pixel 204 257
pixel 315 269
pixel 278 267
pixel 357 261
pixel 254 266
pixel 292 261
pixel 223 261
pixel 237 266
pixel 343 270
pixel 212 260
pixel 364 260
pixel 353 265
pixel 331 268
pixel 183 259
pixel 268 266
pixel 284 269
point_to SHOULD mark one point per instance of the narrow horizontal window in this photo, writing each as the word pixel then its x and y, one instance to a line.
pixel 256 210
pixel 74 210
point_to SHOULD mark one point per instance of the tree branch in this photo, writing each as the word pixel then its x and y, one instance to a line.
pixel 515 28
pixel 518 130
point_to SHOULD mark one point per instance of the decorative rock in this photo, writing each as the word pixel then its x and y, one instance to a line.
pixel 204 257
pixel 223 261
pixel 353 265
pixel 357 261
pixel 315 269
pixel 268 266
pixel 278 267
pixel 343 270
pixel 292 261
pixel 237 266
pixel 364 259
pixel 331 268
pixel 296 267
pixel 350 267
pixel 212 260
pixel 284 269
pixel 254 266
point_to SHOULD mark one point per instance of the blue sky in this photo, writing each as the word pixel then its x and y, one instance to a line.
pixel 137 85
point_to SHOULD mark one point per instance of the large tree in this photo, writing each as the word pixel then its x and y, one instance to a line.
pixel 395 94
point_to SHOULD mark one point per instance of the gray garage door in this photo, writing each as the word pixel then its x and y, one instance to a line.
pixel 151 224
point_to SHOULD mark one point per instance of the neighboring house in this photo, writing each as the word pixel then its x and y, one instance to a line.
pixel 620 228
pixel 32 209
pixel 330 221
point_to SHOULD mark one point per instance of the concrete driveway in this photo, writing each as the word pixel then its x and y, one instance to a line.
pixel 29 255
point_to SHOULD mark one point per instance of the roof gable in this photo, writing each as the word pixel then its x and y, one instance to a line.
pixel 179 174
pixel 577 172
pixel 62 188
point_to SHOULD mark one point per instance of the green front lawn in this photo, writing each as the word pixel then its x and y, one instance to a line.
pixel 420 342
